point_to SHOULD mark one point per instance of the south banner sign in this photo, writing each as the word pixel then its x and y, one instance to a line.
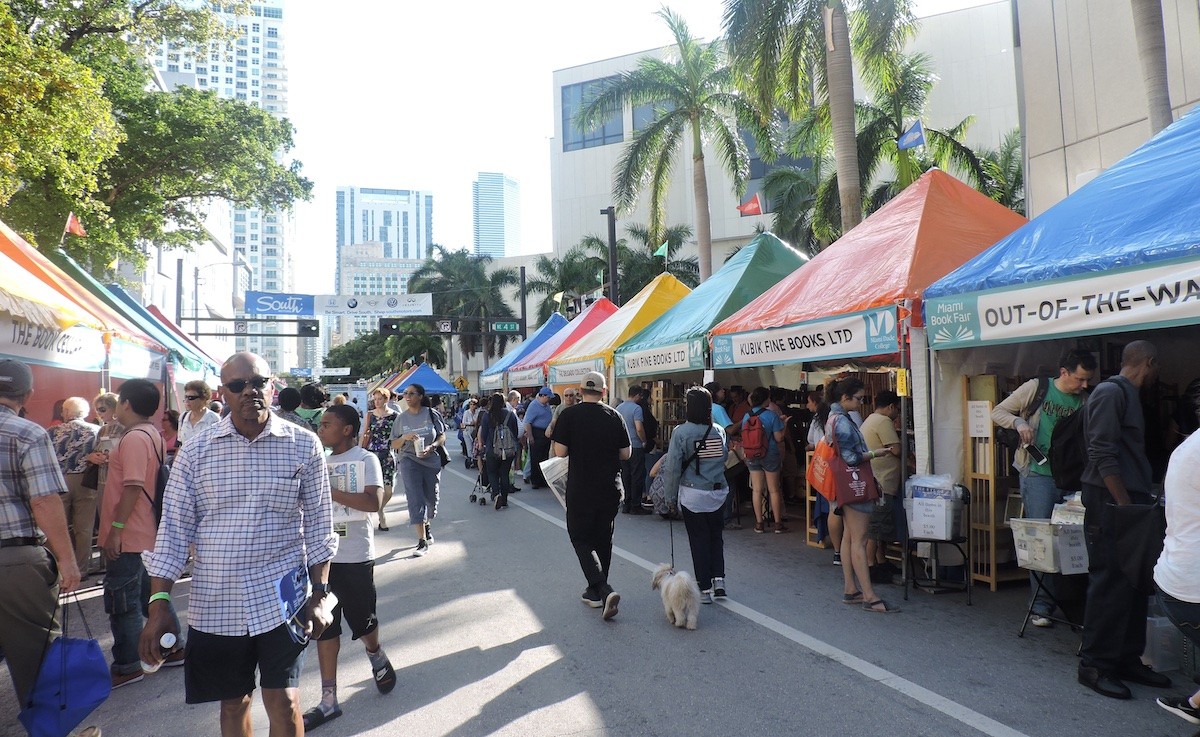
pixel 1141 298
pixel 663 359
pixel 870 333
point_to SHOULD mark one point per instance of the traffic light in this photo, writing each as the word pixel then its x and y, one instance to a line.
pixel 308 328
pixel 389 326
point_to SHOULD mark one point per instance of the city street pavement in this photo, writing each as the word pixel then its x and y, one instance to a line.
pixel 488 636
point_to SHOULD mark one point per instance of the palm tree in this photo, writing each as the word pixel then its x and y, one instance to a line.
pixel 463 287
pixel 637 265
pixel 779 47
pixel 412 344
pixel 562 281
pixel 695 98
pixel 899 87
pixel 792 191
pixel 1003 168
pixel 1152 53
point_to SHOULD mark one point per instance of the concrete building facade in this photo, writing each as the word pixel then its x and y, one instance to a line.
pixel 1083 95
pixel 365 268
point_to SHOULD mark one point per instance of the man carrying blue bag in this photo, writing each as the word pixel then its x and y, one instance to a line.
pixel 31 520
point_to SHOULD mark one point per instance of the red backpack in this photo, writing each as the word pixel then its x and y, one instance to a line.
pixel 754 435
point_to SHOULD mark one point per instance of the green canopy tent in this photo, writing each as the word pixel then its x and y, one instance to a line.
pixel 678 339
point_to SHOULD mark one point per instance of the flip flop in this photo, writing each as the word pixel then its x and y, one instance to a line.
pixel 869 606
pixel 385 677
pixel 314 717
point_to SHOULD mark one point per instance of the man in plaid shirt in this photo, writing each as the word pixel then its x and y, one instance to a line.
pixel 252 494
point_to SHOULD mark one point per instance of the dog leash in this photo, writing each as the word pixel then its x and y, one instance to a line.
pixel 671 527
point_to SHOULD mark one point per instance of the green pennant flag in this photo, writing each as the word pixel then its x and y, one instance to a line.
pixel 600 276
pixel 662 250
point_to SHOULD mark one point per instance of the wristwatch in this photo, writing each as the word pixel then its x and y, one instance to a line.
pixel 320 589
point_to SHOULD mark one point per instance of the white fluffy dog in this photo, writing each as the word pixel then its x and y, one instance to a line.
pixel 680 595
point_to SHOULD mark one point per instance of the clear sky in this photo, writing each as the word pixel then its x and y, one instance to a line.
pixel 423 96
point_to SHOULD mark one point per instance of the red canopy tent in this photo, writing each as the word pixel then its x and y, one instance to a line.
pixel 532 370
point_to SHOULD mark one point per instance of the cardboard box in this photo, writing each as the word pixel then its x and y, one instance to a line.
pixel 1067 514
pixel 1050 548
pixel 933 519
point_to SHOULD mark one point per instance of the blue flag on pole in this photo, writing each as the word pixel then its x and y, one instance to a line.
pixel 911 138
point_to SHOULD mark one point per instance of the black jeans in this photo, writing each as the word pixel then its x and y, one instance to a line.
pixel 1114 624
pixel 591 533
pixel 540 451
pixel 704 530
pixel 497 472
pixel 633 478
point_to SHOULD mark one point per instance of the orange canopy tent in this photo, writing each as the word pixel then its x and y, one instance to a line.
pixel 532 370
pixel 844 302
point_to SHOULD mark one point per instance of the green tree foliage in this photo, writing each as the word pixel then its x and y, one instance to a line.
pixel 563 281
pixel 181 149
pixel 366 355
pixel 637 265
pixel 56 128
pixel 695 100
pixel 1004 177
pixel 463 286
pixel 411 345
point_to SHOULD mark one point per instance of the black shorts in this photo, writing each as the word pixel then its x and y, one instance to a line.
pixel 354 586
pixel 218 667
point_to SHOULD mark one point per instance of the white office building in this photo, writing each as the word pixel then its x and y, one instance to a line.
pixel 366 269
pixel 972 53
pixel 496 205
pixel 400 220
pixel 249 67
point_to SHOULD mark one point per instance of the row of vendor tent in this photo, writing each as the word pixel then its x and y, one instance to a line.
pixel 769 306
pixel 422 374
pixel 79 335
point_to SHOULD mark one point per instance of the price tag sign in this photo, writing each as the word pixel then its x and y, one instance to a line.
pixel 902 382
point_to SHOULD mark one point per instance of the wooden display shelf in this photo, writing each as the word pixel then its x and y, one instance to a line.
pixel 810 506
pixel 983 474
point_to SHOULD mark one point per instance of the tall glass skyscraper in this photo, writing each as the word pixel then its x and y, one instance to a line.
pixel 497 209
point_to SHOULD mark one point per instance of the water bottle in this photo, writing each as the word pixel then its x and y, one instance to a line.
pixel 167 643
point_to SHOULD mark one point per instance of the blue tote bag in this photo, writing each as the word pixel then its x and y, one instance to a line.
pixel 73 680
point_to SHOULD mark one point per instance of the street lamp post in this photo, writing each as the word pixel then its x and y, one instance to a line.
pixel 613 290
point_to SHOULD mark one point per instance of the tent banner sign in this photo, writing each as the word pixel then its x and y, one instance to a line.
pixel 494 381
pixel 284 304
pixel 870 333
pixel 131 361
pixel 527 377
pixel 662 359
pixel 572 373
pixel 1113 301
pixel 78 348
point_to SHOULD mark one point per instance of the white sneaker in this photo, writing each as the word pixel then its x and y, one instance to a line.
pixel 1037 620
pixel 706 596
pixel 718 587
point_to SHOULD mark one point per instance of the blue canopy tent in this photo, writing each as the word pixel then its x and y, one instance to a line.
pixel 1122 253
pixel 427 378
pixel 493 376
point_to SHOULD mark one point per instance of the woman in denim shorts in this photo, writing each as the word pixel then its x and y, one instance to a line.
pixel 765 471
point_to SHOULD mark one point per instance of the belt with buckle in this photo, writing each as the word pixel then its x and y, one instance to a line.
pixel 16 542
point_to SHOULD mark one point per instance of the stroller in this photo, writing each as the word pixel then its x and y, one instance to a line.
pixel 482 492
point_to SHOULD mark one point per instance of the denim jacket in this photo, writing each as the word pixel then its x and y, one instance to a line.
pixel 850 441
pixel 683 445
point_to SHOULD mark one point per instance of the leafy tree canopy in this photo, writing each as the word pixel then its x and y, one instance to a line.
pixel 180 149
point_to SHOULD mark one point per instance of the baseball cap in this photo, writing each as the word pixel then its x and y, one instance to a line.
pixel 592 381
pixel 545 391
pixel 15 378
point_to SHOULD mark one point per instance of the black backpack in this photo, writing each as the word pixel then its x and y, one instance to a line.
pixel 160 483
pixel 1068 450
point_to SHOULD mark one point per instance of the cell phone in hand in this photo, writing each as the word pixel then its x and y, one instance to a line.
pixel 1036 454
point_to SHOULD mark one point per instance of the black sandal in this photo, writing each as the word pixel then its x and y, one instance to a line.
pixel 869 606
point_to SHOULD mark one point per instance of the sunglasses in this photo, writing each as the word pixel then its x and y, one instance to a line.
pixel 191 397
pixel 237 386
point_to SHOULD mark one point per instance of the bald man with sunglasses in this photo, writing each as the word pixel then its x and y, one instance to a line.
pixel 252 494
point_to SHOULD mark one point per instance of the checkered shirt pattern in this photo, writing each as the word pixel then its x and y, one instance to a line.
pixel 28 469
pixel 255 509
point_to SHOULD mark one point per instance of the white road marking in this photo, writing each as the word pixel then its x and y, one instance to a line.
pixel 952 709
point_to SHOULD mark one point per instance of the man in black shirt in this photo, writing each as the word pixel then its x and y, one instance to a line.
pixel 593 437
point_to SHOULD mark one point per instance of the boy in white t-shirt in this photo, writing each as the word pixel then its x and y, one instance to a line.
pixel 355 484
